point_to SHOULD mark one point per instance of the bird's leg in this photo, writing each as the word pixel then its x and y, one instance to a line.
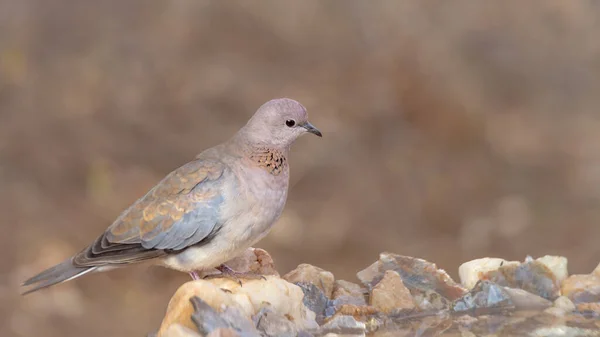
pixel 194 275
pixel 227 272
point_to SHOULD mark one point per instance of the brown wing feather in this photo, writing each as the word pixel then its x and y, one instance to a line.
pixel 154 214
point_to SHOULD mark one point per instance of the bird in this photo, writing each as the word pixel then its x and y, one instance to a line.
pixel 205 212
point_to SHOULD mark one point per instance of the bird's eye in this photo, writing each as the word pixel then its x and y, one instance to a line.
pixel 290 123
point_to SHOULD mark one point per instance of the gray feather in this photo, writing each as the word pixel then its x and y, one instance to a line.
pixel 193 227
pixel 60 273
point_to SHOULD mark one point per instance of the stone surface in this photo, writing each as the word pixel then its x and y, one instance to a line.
pixel 597 270
pixel 430 300
pixel 254 261
pixel 343 325
pixel 307 273
pixel 278 295
pixel 271 324
pixel 471 272
pixel 484 296
pixel 417 275
pixel 276 307
pixel 588 295
pixel 180 309
pixel 563 302
pixel 590 309
pixel 208 319
pixel 532 276
pixel 346 294
pixel 314 299
pixel 178 330
pixel 390 294
pixel 582 288
pixel 345 288
pixel 556 264
pixel 523 300
pixel 224 332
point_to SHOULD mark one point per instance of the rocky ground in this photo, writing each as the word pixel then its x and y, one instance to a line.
pixel 395 296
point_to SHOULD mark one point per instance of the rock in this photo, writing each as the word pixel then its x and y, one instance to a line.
pixel 429 300
pixel 307 273
pixel 541 277
pixel 178 330
pixel 223 294
pixel 208 319
pixel 390 294
pixel 274 325
pixel 562 306
pixel 254 261
pixel 343 325
pixel 582 288
pixel 589 309
pixel 346 294
pixel 523 300
pixel 345 288
pixel 280 296
pixel 597 270
pixel 471 272
pixel 465 320
pixel 224 332
pixel 532 276
pixel 418 275
pixel 304 333
pixel 563 302
pixel 484 296
pixel 556 264
pixel 180 309
pixel 360 313
pixel 314 299
pixel 589 295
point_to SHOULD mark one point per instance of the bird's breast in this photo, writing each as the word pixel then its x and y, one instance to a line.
pixel 261 197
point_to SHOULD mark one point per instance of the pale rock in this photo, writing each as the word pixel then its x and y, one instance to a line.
pixel 307 273
pixel 346 294
pixel 597 271
pixel 418 275
pixel 576 284
pixel 371 273
pixel 314 299
pixel 178 330
pixel 562 306
pixel 223 332
pixel 208 319
pixel 279 296
pixel 524 300
pixel 344 325
pixel 390 294
pixel 589 308
pixel 274 325
pixel 345 288
pixel 470 272
pixel 563 302
pixel 180 309
pixel 557 264
pixel 253 261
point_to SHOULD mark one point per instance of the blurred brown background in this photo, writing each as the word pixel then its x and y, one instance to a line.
pixel 453 130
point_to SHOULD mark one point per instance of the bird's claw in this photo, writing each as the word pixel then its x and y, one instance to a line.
pixel 227 272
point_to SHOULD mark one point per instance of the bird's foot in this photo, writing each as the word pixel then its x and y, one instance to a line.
pixel 194 275
pixel 231 274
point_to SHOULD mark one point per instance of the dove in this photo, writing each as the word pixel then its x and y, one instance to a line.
pixel 205 212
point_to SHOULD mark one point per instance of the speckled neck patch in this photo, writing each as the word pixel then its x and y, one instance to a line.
pixel 272 161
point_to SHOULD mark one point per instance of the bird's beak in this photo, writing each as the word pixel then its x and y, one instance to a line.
pixel 311 128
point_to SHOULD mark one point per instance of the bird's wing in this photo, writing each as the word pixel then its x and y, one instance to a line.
pixel 180 211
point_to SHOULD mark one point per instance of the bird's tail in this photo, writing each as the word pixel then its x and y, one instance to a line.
pixel 62 272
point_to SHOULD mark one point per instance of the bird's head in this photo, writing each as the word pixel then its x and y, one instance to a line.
pixel 279 123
